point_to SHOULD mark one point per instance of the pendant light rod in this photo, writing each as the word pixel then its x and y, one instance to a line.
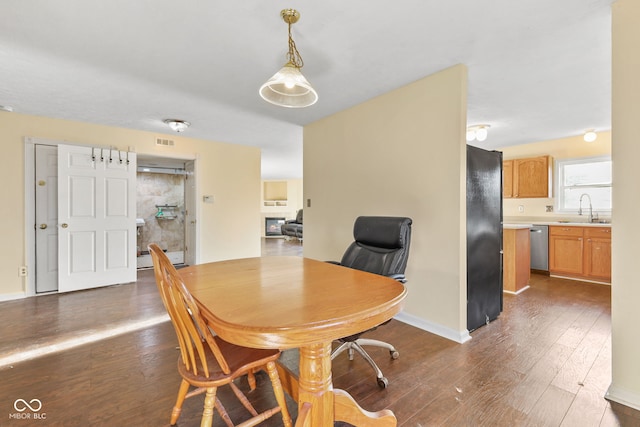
pixel 291 16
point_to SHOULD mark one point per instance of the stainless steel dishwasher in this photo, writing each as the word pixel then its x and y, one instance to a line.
pixel 540 247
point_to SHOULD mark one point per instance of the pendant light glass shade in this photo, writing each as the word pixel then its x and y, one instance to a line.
pixel 289 88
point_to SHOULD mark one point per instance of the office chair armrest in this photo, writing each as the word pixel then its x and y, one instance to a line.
pixel 333 262
pixel 399 277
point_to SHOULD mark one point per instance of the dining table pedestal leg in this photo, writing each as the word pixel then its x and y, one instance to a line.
pixel 319 405
pixel 315 397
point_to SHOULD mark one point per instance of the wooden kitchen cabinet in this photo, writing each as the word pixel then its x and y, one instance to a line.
pixel 507 179
pixel 597 253
pixel 566 250
pixel 580 252
pixel 516 271
pixel 530 177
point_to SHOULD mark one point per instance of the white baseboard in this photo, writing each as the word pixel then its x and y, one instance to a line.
pixel 145 261
pixel 624 397
pixel 451 334
pixel 516 293
pixel 10 297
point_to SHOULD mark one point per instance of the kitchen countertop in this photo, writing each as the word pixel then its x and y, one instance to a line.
pixel 513 224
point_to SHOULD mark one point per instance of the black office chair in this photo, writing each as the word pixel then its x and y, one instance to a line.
pixel 381 246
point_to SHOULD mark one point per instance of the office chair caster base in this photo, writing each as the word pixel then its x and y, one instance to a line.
pixel 383 382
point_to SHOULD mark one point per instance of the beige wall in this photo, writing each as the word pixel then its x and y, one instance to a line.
pixel 228 228
pixel 625 290
pixel 563 148
pixel 402 154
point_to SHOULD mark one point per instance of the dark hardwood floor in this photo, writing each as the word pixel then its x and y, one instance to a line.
pixel 546 361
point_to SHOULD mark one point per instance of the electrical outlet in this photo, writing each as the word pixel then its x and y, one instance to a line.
pixel 521 208
pixel 23 271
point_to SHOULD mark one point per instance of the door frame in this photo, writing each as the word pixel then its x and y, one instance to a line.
pixel 30 205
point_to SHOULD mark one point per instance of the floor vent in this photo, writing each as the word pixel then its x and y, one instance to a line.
pixel 165 142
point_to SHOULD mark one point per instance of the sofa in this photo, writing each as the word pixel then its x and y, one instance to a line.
pixel 293 227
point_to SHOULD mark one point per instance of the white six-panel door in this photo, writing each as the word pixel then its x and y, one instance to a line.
pixel 96 217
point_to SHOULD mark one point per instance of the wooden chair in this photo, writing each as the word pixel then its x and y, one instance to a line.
pixel 206 361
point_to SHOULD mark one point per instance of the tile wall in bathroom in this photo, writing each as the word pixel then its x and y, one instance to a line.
pixel 160 189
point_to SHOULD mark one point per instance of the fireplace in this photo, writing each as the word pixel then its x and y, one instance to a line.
pixel 272 226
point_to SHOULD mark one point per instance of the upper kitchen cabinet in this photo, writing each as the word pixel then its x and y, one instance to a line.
pixel 527 178
pixel 507 179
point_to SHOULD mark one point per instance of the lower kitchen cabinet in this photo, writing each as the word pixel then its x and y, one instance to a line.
pixel 580 252
pixel 516 259
pixel 597 253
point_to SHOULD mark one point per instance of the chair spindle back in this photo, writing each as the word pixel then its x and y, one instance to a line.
pixel 192 330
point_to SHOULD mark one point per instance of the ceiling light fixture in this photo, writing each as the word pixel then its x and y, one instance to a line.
pixel 478 132
pixel 288 87
pixel 177 125
pixel 590 136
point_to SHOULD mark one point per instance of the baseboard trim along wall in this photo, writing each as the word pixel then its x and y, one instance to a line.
pixel 458 336
pixel 624 397
pixel 10 297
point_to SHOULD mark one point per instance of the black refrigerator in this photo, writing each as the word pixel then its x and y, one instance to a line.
pixel 484 236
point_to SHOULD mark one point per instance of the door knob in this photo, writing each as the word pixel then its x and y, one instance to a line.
pixel 65 225
pixel 43 226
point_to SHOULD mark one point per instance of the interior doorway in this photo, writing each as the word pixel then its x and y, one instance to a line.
pixel 165 209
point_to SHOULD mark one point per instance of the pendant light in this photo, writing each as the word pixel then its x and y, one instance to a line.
pixel 288 87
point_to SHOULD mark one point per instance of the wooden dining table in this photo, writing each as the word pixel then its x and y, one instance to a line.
pixel 295 302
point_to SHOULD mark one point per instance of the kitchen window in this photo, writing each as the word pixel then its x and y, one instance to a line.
pixel 590 176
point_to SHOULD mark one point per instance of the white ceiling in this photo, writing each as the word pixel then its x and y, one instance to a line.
pixel 538 69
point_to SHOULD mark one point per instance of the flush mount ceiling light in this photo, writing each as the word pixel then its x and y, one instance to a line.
pixel 590 136
pixel 288 87
pixel 177 125
pixel 478 132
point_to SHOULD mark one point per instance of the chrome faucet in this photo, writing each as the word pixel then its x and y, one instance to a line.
pixel 590 207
